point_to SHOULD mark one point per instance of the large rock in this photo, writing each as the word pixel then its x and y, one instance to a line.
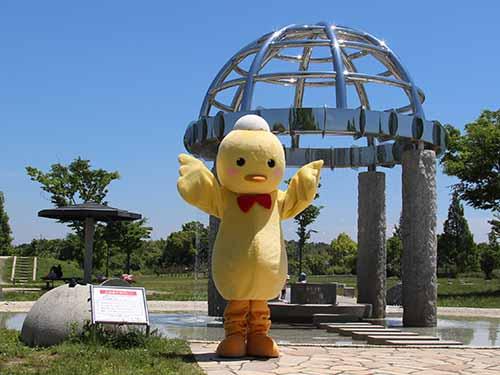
pixel 395 295
pixel 56 314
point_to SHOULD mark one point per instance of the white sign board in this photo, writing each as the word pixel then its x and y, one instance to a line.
pixel 113 304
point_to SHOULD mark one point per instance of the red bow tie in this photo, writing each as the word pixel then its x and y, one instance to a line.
pixel 246 201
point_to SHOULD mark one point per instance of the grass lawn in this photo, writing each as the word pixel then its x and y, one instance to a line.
pixel 70 268
pixel 157 356
pixel 174 288
pixel 459 292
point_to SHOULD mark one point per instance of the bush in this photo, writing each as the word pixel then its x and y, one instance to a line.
pixel 117 337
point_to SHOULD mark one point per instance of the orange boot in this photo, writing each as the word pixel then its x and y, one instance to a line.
pixel 259 344
pixel 235 327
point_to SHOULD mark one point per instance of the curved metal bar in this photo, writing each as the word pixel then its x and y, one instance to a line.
pixel 414 95
pixel 417 106
pixel 357 55
pixel 225 71
pixel 299 86
pixel 300 43
pixel 362 46
pixel 222 106
pixel 314 60
pixel 246 102
pixel 360 88
pixel 236 102
pixel 338 66
pixel 309 37
pixel 350 77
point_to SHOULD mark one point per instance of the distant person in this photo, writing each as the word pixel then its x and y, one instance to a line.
pixel 52 275
pixel 58 271
pixel 302 278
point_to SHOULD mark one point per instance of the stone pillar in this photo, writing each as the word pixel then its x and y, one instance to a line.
pixel 371 264
pixel 216 303
pixel 419 238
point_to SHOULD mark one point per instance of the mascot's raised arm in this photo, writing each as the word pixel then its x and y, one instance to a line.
pixel 249 264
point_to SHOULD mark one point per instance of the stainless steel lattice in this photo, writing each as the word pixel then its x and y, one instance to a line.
pixel 394 128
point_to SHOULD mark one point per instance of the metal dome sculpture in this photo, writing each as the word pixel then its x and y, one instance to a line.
pixel 359 75
pixel 394 128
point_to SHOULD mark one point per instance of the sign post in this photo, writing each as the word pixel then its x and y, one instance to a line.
pixel 119 305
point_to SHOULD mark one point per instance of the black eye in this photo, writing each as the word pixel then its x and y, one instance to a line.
pixel 240 162
pixel 271 163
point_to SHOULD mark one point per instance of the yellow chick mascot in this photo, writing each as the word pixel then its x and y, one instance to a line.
pixel 249 264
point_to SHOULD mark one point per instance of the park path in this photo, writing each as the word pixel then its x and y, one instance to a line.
pixel 201 306
pixel 153 306
pixel 361 360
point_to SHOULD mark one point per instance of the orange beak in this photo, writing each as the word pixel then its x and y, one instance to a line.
pixel 255 178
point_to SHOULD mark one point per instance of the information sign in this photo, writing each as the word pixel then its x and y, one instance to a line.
pixel 119 305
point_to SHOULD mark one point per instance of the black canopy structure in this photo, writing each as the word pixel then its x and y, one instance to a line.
pixel 90 213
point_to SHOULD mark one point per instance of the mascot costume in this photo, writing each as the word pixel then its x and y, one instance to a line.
pixel 249 264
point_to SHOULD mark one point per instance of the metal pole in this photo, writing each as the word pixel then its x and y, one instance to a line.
pixel 89 246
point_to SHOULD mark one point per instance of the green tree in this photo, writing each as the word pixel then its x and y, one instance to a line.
pixel 5 231
pixel 303 221
pixel 495 226
pixel 77 183
pixel 394 247
pixel 199 234
pixel 475 159
pixel 456 248
pixel 183 246
pixel 152 252
pixel 344 254
pixel 63 249
pixel 488 259
pixel 129 238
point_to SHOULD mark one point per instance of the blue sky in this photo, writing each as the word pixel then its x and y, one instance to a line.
pixel 117 82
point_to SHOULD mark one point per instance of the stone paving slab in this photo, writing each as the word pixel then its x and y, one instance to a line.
pixel 359 360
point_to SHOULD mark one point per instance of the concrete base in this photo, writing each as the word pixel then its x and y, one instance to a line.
pixel 318 319
pixel 296 313
pixel 391 335
pixel 381 340
pixel 313 293
pixel 433 343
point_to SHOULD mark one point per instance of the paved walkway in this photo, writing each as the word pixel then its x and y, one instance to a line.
pixel 153 306
pixel 361 360
pixel 168 306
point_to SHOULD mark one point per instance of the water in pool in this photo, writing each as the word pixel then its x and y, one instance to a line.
pixel 191 326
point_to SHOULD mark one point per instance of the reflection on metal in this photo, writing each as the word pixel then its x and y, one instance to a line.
pixel 394 127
